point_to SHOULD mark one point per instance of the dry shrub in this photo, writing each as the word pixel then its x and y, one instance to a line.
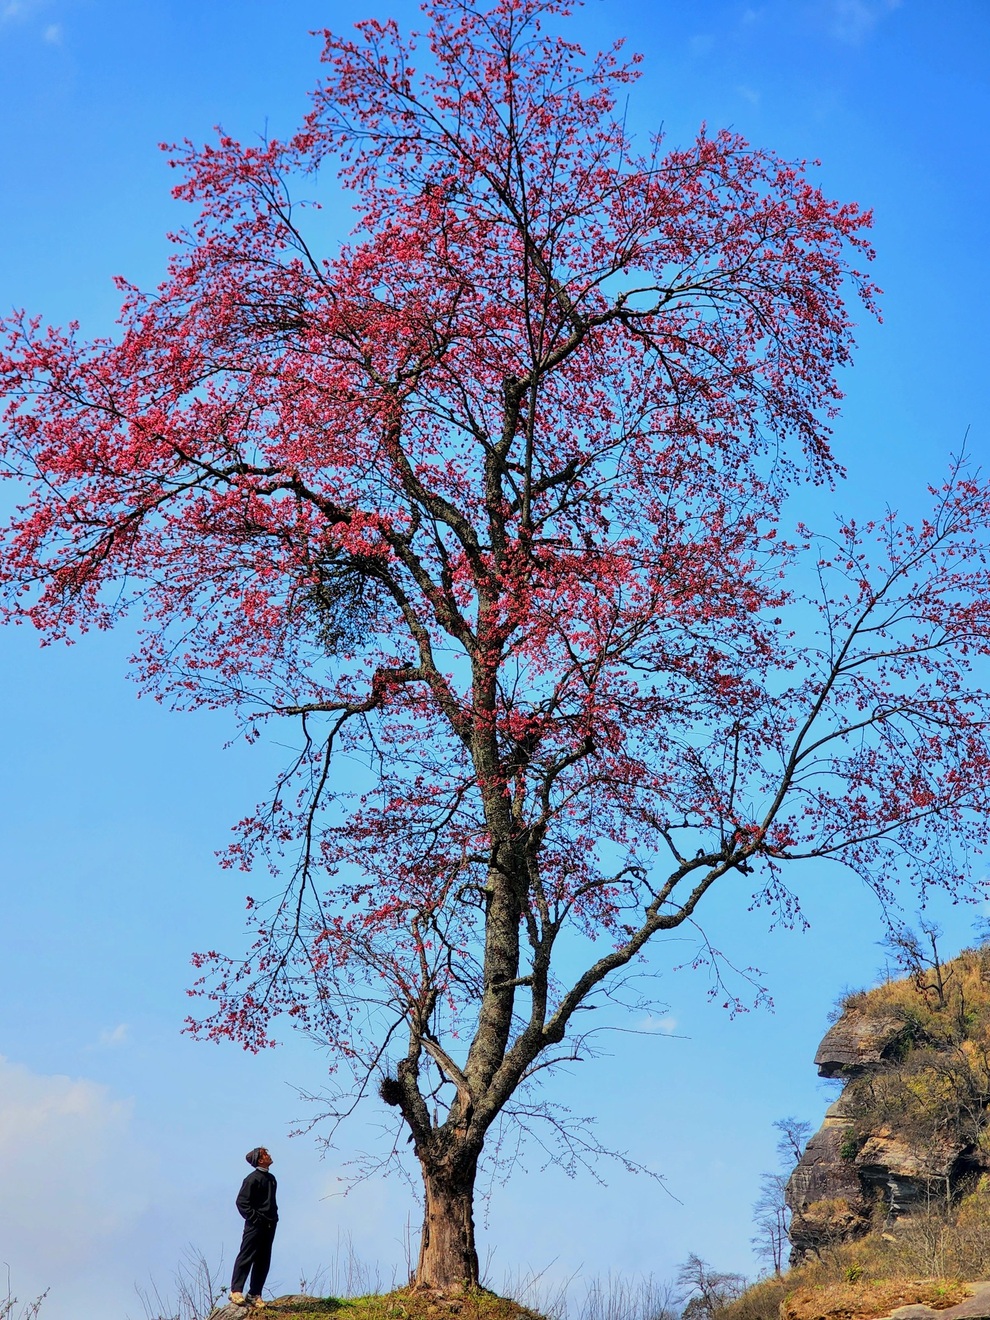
pixel 936 1240
pixel 964 1005
pixel 968 1240
pixel 761 1301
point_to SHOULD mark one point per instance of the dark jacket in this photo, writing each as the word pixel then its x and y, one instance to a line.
pixel 256 1199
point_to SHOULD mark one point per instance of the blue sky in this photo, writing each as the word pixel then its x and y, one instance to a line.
pixel 122 1141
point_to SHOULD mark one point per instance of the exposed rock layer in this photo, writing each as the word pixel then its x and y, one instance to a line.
pixel 887 1146
pixel 856 1042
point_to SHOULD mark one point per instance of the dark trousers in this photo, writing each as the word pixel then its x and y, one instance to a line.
pixel 255 1255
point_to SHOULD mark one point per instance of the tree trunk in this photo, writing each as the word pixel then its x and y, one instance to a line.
pixel 448 1259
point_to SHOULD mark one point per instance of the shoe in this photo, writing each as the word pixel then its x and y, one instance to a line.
pixel 258 1303
pixel 238 1298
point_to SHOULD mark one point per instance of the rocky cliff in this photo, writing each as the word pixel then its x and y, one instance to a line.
pixel 911 1127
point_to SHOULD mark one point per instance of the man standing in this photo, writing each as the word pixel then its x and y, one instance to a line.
pixel 256 1202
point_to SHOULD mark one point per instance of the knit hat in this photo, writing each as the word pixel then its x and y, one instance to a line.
pixel 253 1156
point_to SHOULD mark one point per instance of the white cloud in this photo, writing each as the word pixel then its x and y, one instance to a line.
pixel 749 94
pixel 664 1026
pixel 117 1036
pixel 75 1177
pixel 18 10
pixel 101 1193
pixel 22 12
pixel 852 21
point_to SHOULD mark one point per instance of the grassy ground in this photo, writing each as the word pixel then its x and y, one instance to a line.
pixel 771 1299
pixel 403 1304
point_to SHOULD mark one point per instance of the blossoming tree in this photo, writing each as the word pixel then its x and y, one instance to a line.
pixel 488 502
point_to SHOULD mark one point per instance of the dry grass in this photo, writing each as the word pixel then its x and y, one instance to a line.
pixel 870 1298
pixel 864 1279
pixel 959 1011
pixel 761 1300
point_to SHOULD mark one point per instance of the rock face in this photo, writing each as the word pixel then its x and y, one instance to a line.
pixel 825 1192
pixel 858 1041
pixel 913 1119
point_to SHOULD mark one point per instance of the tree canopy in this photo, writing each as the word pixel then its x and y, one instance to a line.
pixel 490 502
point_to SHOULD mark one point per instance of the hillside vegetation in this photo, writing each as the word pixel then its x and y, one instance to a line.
pixel 935 1090
pixel 915 1110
